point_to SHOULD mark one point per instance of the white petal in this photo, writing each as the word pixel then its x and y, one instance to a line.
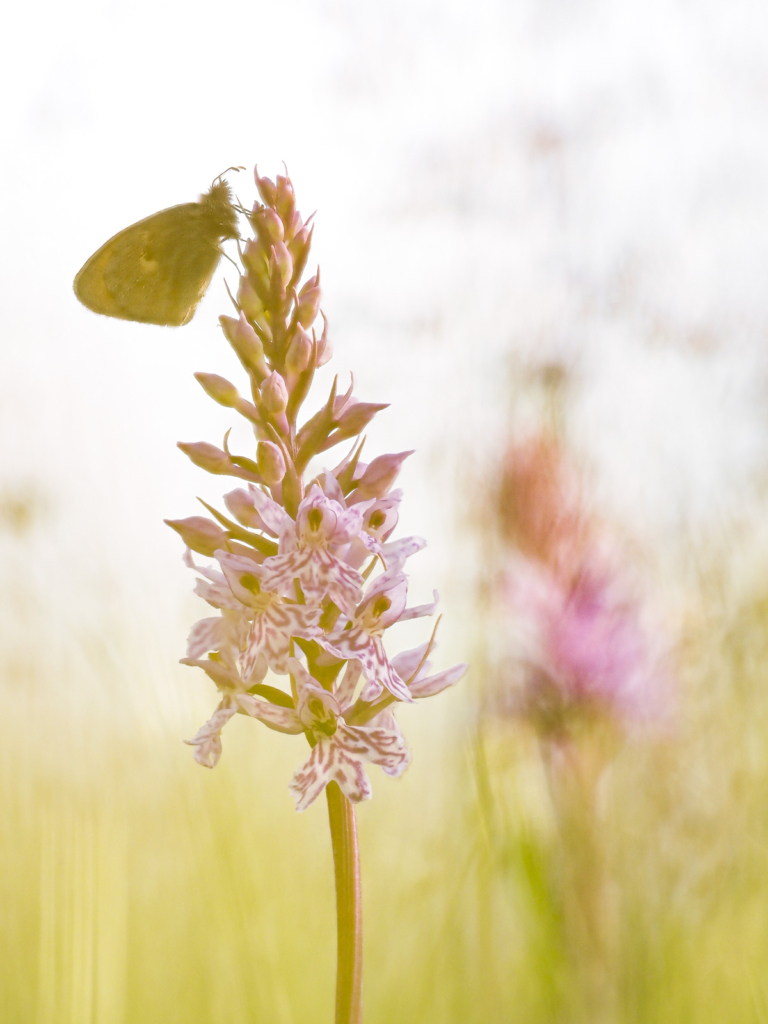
pixel 407 663
pixel 431 685
pixel 397 551
pixel 421 609
pixel 219 595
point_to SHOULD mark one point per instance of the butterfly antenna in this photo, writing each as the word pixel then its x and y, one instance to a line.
pixel 220 176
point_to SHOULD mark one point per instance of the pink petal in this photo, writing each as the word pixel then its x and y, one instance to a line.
pixel 345 690
pixel 219 595
pixel 328 762
pixel 207 635
pixel 236 567
pixel 207 740
pixel 369 650
pixel 385 747
pixel 330 486
pixel 271 633
pixel 241 504
pixel 397 551
pixel 274 515
pixel 421 609
pixel 431 685
pixel 407 663
pixel 224 676
pixel 280 719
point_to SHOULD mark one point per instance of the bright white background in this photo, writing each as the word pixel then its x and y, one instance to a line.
pixel 496 182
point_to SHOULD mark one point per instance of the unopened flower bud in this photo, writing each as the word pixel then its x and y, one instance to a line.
pixel 270 461
pixel 299 245
pixel 379 476
pixel 324 349
pixel 206 456
pixel 285 199
pixel 283 262
pixel 249 302
pixel 200 534
pixel 268 226
pixel 354 419
pixel 274 394
pixel 266 188
pixel 218 388
pixel 299 351
pixel 246 343
pixel 309 302
pixel 256 258
pixel 241 504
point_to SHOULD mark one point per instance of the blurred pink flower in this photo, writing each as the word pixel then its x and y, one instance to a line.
pixel 584 649
pixel 580 639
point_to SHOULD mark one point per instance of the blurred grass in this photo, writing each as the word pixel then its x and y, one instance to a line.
pixel 137 887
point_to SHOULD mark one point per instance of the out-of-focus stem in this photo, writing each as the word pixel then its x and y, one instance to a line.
pixel 346 863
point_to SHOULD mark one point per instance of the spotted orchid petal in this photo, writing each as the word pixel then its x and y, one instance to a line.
pixel 273 515
pixel 271 632
pixel 244 578
pixel 223 674
pixel 369 651
pixel 428 686
pixel 345 689
pixel 207 740
pixel 340 758
pixel 319 572
pixel 279 719
pixel 212 634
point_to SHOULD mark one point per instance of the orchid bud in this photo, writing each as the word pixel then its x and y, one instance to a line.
pixel 308 307
pixel 241 504
pixel 274 394
pixel 206 456
pixel 266 188
pixel 299 351
pixel 246 343
pixel 285 199
pixel 218 388
pixel 295 227
pixel 379 476
pixel 270 461
pixel 268 226
pixel 299 247
pixel 255 258
pixel 283 262
pixel 356 418
pixel 324 350
pixel 250 302
pixel 200 534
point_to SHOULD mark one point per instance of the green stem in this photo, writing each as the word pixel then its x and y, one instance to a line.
pixel 346 864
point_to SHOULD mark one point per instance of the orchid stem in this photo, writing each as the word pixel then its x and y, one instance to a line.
pixel 346 864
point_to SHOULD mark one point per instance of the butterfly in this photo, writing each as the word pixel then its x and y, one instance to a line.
pixel 157 270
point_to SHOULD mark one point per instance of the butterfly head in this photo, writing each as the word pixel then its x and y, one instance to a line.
pixel 219 211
